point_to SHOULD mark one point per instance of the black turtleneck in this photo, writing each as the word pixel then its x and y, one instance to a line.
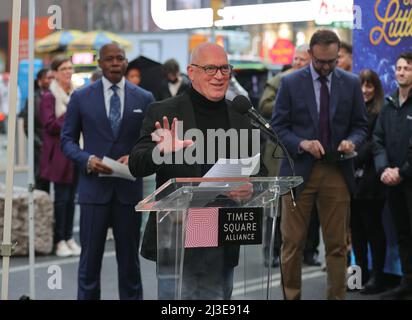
pixel 210 115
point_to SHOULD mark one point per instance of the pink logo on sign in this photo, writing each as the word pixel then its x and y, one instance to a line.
pixel 202 228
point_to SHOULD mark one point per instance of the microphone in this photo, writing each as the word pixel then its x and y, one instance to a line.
pixel 242 105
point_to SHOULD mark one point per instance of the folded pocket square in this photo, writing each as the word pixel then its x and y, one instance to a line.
pixel 138 111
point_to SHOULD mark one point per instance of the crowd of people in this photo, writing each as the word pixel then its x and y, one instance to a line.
pixel 352 147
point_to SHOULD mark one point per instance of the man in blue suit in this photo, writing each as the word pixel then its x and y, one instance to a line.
pixel 321 118
pixel 108 114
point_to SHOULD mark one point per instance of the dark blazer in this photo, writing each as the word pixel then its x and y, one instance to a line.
pixel 86 115
pixel 296 118
pixel 141 163
pixel 54 165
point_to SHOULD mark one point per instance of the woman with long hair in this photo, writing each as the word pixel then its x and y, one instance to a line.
pixel 368 200
pixel 54 166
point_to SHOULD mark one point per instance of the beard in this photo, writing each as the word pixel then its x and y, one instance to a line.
pixel 323 72
pixel 404 83
pixel 174 81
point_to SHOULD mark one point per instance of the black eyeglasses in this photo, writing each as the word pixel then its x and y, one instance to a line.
pixel 211 70
pixel 323 62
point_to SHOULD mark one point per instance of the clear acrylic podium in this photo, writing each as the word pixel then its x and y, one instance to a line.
pixel 192 262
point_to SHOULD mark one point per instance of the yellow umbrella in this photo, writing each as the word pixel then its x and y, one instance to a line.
pixel 94 40
pixel 56 40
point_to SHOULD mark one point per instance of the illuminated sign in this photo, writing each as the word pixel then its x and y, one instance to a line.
pixel 266 13
pixel 83 58
pixel 329 11
pixel 180 19
pixel 294 11
pixel 395 22
pixel 282 52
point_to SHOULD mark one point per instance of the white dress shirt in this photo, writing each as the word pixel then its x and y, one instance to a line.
pixel 108 92
pixel 174 87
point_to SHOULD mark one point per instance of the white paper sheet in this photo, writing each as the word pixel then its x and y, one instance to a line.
pixel 120 170
pixel 232 168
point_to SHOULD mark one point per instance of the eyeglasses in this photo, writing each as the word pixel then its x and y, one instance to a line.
pixel 323 62
pixel 211 70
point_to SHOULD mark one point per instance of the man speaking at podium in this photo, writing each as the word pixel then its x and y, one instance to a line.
pixel 320 117
pixel 208 271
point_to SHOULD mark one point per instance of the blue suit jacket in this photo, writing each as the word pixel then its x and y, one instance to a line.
pixel 86 115
pixel 295 118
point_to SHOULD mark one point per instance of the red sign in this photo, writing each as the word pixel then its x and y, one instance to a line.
pixel 282 52
pixel 41 30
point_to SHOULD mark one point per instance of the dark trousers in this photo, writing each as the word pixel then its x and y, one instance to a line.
pixel 63 211
pixel 94 222
pixel 400 204
pixel 367 227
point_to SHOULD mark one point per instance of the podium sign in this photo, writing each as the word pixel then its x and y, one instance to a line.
pixel 240 226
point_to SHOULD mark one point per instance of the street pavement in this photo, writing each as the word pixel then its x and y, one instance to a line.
pixel 314 280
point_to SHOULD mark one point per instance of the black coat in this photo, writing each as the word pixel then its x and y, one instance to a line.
pixel 391 136
pixel 141 163
pixel 369 185
pixel 38 128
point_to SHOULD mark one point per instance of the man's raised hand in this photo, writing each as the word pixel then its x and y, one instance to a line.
pixel 167 139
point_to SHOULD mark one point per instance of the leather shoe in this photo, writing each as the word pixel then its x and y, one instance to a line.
pixel 375 285
pixel 399 293
pixel 311 260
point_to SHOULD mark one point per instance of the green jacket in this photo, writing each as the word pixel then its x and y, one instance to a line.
pixel 267 101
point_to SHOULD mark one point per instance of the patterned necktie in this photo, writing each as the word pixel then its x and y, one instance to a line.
pixel 324 128
pixel 114 114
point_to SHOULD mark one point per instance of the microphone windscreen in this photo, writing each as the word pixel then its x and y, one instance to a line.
pixel 241 104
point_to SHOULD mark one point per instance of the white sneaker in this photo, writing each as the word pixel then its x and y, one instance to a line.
pixel 62 250
pixel 74 247
pixel 109 235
